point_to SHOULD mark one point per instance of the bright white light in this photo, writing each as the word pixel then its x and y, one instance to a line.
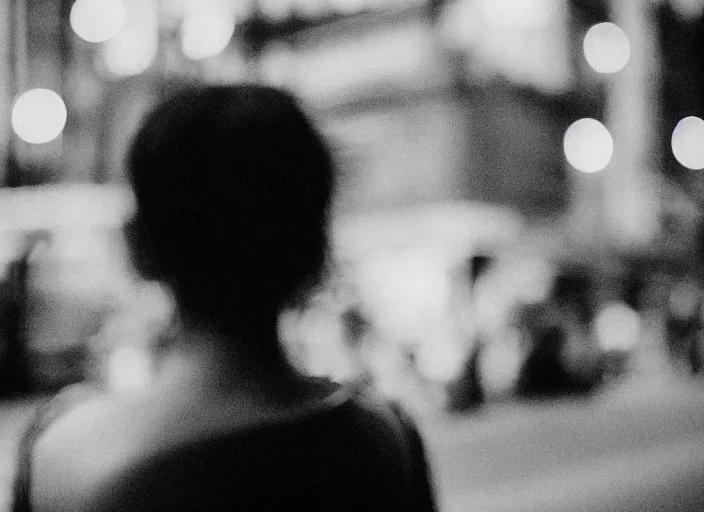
pixel 617 327
pixel 407 291
pixel 206 32
pixel 129 368
pixel 588 145
pixel 130 53
pixel 527 14
pixel 135 47
pixel 438 361
pixel 606 48
pixel 688 143
pixel 39 116
pixel 97 21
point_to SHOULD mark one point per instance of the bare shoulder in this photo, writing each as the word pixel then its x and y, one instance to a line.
pixel 79 447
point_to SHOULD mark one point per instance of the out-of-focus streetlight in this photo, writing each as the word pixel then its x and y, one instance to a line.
pixel 588 145
pixel 129 368
pixel 617 327
pixel 206 29
pixel 97 21
pixel 131 54
pixel 607 48
pixel 39 116
pixel 688 143
pixel 136 46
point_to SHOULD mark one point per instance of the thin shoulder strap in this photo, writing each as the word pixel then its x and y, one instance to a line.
pixel 46 414
pixel 424 496
pixel 418 469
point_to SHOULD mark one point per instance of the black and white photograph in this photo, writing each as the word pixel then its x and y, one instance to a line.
pixel 352 255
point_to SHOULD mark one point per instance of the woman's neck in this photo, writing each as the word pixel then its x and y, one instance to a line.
pixel 224 365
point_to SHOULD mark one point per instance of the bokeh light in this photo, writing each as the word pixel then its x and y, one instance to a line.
pixel 688 143
pixel 97 21
pixel 130 53
pixel 439 361
pixel 617 327
pixel 607 48
pixel 129 367
pixel 39 116
pixel 588 145
pixel 206 32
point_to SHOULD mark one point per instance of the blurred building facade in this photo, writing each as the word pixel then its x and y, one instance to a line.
pixel 431 100
pixel 494 91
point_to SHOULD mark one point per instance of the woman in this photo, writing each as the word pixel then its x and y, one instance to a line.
pixel 232 187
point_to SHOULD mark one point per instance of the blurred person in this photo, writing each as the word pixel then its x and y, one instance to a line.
pixel 232 187
pixel 564 318
pixel 543 373
pixel 465 392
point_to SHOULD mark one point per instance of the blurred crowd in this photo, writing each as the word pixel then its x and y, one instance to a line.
pixel 525 328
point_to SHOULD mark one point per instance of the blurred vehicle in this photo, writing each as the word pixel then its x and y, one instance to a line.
pixel 538 348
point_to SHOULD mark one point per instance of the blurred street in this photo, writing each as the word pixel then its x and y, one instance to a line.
pixel 517 209
pixel 622 446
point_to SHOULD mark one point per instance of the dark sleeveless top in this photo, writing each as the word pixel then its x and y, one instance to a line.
pixel 360 454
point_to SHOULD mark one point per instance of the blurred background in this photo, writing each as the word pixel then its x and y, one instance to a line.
pixel 517 235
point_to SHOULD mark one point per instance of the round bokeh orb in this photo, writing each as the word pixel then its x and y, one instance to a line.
pixel 607 48
pixel 588 145
pixel 97 21
pixel 206 34
pixel 131 53
pixel 38 116
pixel 688 143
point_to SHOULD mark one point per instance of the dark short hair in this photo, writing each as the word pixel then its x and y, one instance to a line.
pixel 232 186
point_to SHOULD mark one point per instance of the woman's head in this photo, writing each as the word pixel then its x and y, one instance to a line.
pixel 232 186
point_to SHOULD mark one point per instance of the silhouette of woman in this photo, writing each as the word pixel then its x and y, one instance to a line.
pixel 232 188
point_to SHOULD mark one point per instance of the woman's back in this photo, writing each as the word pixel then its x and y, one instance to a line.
pixel 352 456
pixel 233 187
pixel 179 445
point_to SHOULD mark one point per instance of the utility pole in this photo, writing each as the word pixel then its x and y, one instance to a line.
pixel 6 85
pixel 631 187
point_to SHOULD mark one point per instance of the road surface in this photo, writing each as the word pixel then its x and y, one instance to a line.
pixel 634 447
